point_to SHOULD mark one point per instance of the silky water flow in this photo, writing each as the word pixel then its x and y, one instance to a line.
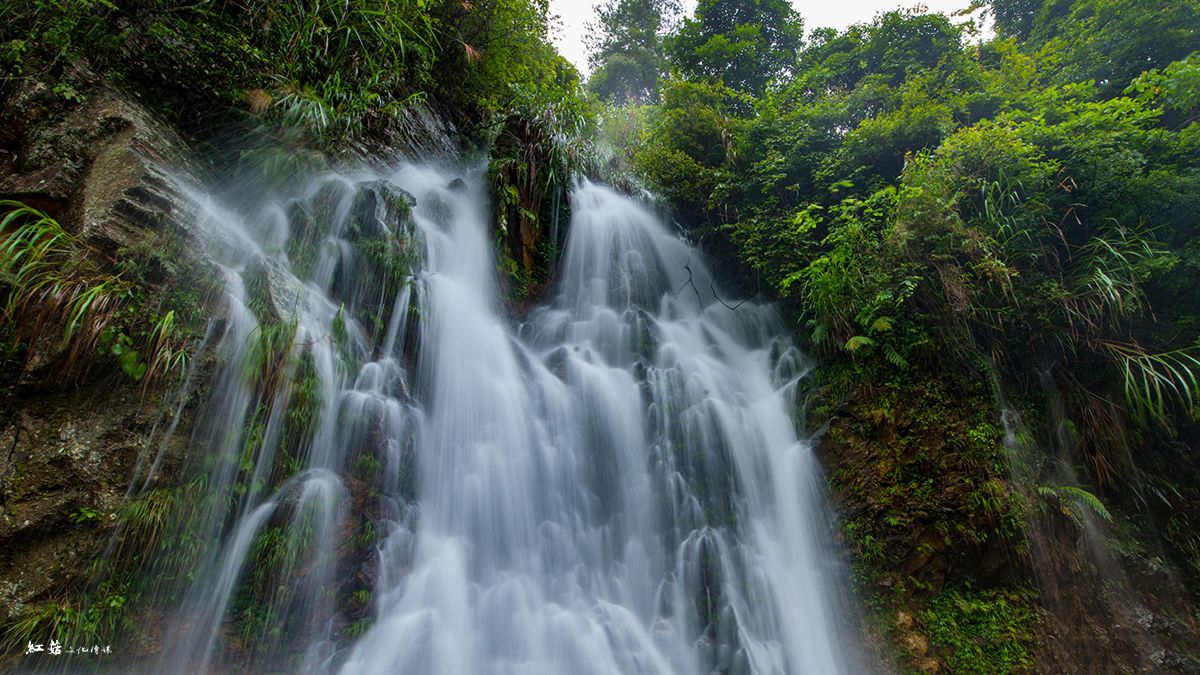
pixel 615 486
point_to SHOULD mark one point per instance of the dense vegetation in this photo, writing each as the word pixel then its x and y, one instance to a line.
pixel 341 78
pixel 269 90
pixel 342 71
pixel 927 202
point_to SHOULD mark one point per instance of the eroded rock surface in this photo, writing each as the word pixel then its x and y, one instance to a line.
pixel 71 441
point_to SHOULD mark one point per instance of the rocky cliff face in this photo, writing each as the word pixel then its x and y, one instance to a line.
pixel 964 569
pixel 79 435
pixel 95 447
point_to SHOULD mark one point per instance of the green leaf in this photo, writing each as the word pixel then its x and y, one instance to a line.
pixel 894 357
pixel 858 341
pixel 1081 496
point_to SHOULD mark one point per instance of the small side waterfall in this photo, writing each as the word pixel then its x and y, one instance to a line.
pixel 1080 574
pixel 614 487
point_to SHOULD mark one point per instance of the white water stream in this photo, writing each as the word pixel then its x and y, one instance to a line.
pixel 613 487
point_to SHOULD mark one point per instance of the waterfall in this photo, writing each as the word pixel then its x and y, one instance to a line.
pixel 1077 569
pixel 616 485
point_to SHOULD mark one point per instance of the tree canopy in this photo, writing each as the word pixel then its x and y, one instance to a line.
pixel 744 44
pixel 626 51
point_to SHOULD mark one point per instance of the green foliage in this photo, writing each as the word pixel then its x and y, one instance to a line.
pixel 357 601
pixel 690 133
pixel 279 557
pixel 626 52
pixel 744 44
pixel 925 466
pixel 366 467
pixel 271 347
pixel 496 56
pixel 986 632
pixel 1154 381
pixel 1008 218
pixel 1071 499
pixel 1020 238
pixel 158 542
pixel 1176 88
pixel 537 152
pixel 170 358
pixel 1107 41
pixel 367 537
pixel 336 71
pixel 121 346
pixel 358 629
pixel 149 520
pixel 56 282
pixel 850 295
pixel 303 413
pixel 895 45
pixel 75 620
pixel 86 515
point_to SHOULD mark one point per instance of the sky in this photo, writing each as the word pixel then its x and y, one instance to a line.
pixel 575 14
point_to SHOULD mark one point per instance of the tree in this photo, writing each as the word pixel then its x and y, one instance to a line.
pixel 743 43
pixel 626 49
pixel 1015 18
pixel 1108 41
pixel 895 45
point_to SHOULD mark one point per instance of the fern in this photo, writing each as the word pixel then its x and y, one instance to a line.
pixel 820 332
pixel 893 357
pixel 857 341
pixel 1071 498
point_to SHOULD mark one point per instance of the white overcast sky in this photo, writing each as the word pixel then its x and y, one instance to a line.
pixel 575 14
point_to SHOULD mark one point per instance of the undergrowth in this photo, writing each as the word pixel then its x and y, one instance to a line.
pixel 62 290
pixel 989 632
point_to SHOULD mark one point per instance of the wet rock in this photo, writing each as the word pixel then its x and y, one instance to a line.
pixel 382 205
pixel 64 473
pixel 556 362
pixel 110 171
pixel 81 158
pixel 100 168
pixel 1175 662
pixel 927 665
pixel 915 644
pixel 272 292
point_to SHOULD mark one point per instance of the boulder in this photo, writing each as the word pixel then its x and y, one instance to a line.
pixel 273 292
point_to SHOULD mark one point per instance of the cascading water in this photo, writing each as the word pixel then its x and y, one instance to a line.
pixel 1078 570
pixel 614 487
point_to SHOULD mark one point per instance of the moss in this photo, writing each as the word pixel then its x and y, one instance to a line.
pixel 919 474
pixel 407 480
pixel 922 471
pixel 366 468
pixel 989 632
